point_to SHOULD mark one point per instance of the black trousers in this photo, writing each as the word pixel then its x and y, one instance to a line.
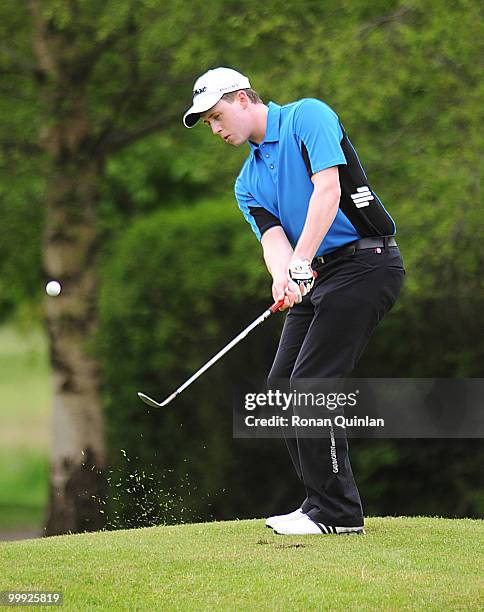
pixel 324 337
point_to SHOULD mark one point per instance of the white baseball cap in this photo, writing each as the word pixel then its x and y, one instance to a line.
pixel 209 88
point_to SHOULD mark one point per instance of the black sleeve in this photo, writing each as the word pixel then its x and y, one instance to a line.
pixel 263 218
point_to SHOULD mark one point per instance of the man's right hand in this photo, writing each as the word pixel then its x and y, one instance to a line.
pixel 287 289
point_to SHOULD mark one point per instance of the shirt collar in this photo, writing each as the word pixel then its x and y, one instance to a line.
pixel 272 126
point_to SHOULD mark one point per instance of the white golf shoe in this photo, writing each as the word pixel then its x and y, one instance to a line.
pixel 273 520
pixel 303 525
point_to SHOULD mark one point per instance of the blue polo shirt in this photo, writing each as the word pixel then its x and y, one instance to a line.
pixel 275 175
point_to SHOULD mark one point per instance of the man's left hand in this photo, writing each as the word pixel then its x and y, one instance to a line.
pixel 300 272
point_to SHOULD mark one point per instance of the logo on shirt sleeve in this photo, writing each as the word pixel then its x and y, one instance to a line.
pixel 362 197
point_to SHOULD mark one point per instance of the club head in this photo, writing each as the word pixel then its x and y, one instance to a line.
pixel 150 402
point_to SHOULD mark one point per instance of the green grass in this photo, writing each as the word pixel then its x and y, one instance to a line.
pixel 25 404
pixel 23 489
pixel 401 564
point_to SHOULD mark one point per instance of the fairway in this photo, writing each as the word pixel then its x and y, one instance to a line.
pixel 25 386
pixel 402 563
pixel 25 404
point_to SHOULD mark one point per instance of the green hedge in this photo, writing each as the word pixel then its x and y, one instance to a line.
pixel 175 288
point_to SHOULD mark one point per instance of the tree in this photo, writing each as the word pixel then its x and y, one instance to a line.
pixel 79 124
pixel 86 116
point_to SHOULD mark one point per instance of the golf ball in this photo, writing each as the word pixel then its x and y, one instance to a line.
pixel 53 288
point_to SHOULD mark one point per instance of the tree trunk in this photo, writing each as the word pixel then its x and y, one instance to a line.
pixel 77 488
pixel 77 481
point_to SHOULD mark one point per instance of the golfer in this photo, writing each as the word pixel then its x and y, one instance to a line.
pixel 307 198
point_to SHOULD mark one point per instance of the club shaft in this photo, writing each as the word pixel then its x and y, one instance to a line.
pixel 225 350
pixel 260 319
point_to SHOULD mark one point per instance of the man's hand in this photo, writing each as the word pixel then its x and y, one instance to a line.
pixel 278 255
pixel 300 272
pixel 287 289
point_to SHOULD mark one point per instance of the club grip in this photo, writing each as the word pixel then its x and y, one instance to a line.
pixel 275 307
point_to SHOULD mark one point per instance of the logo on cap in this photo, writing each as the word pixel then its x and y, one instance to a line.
pixel 197 92
pixel 232 87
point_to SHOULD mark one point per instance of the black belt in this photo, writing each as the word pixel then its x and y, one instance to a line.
pixel 360 245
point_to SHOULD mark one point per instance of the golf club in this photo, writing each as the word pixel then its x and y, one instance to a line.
pixel 260 319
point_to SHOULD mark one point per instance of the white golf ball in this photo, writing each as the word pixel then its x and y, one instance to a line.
pixel 53 288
